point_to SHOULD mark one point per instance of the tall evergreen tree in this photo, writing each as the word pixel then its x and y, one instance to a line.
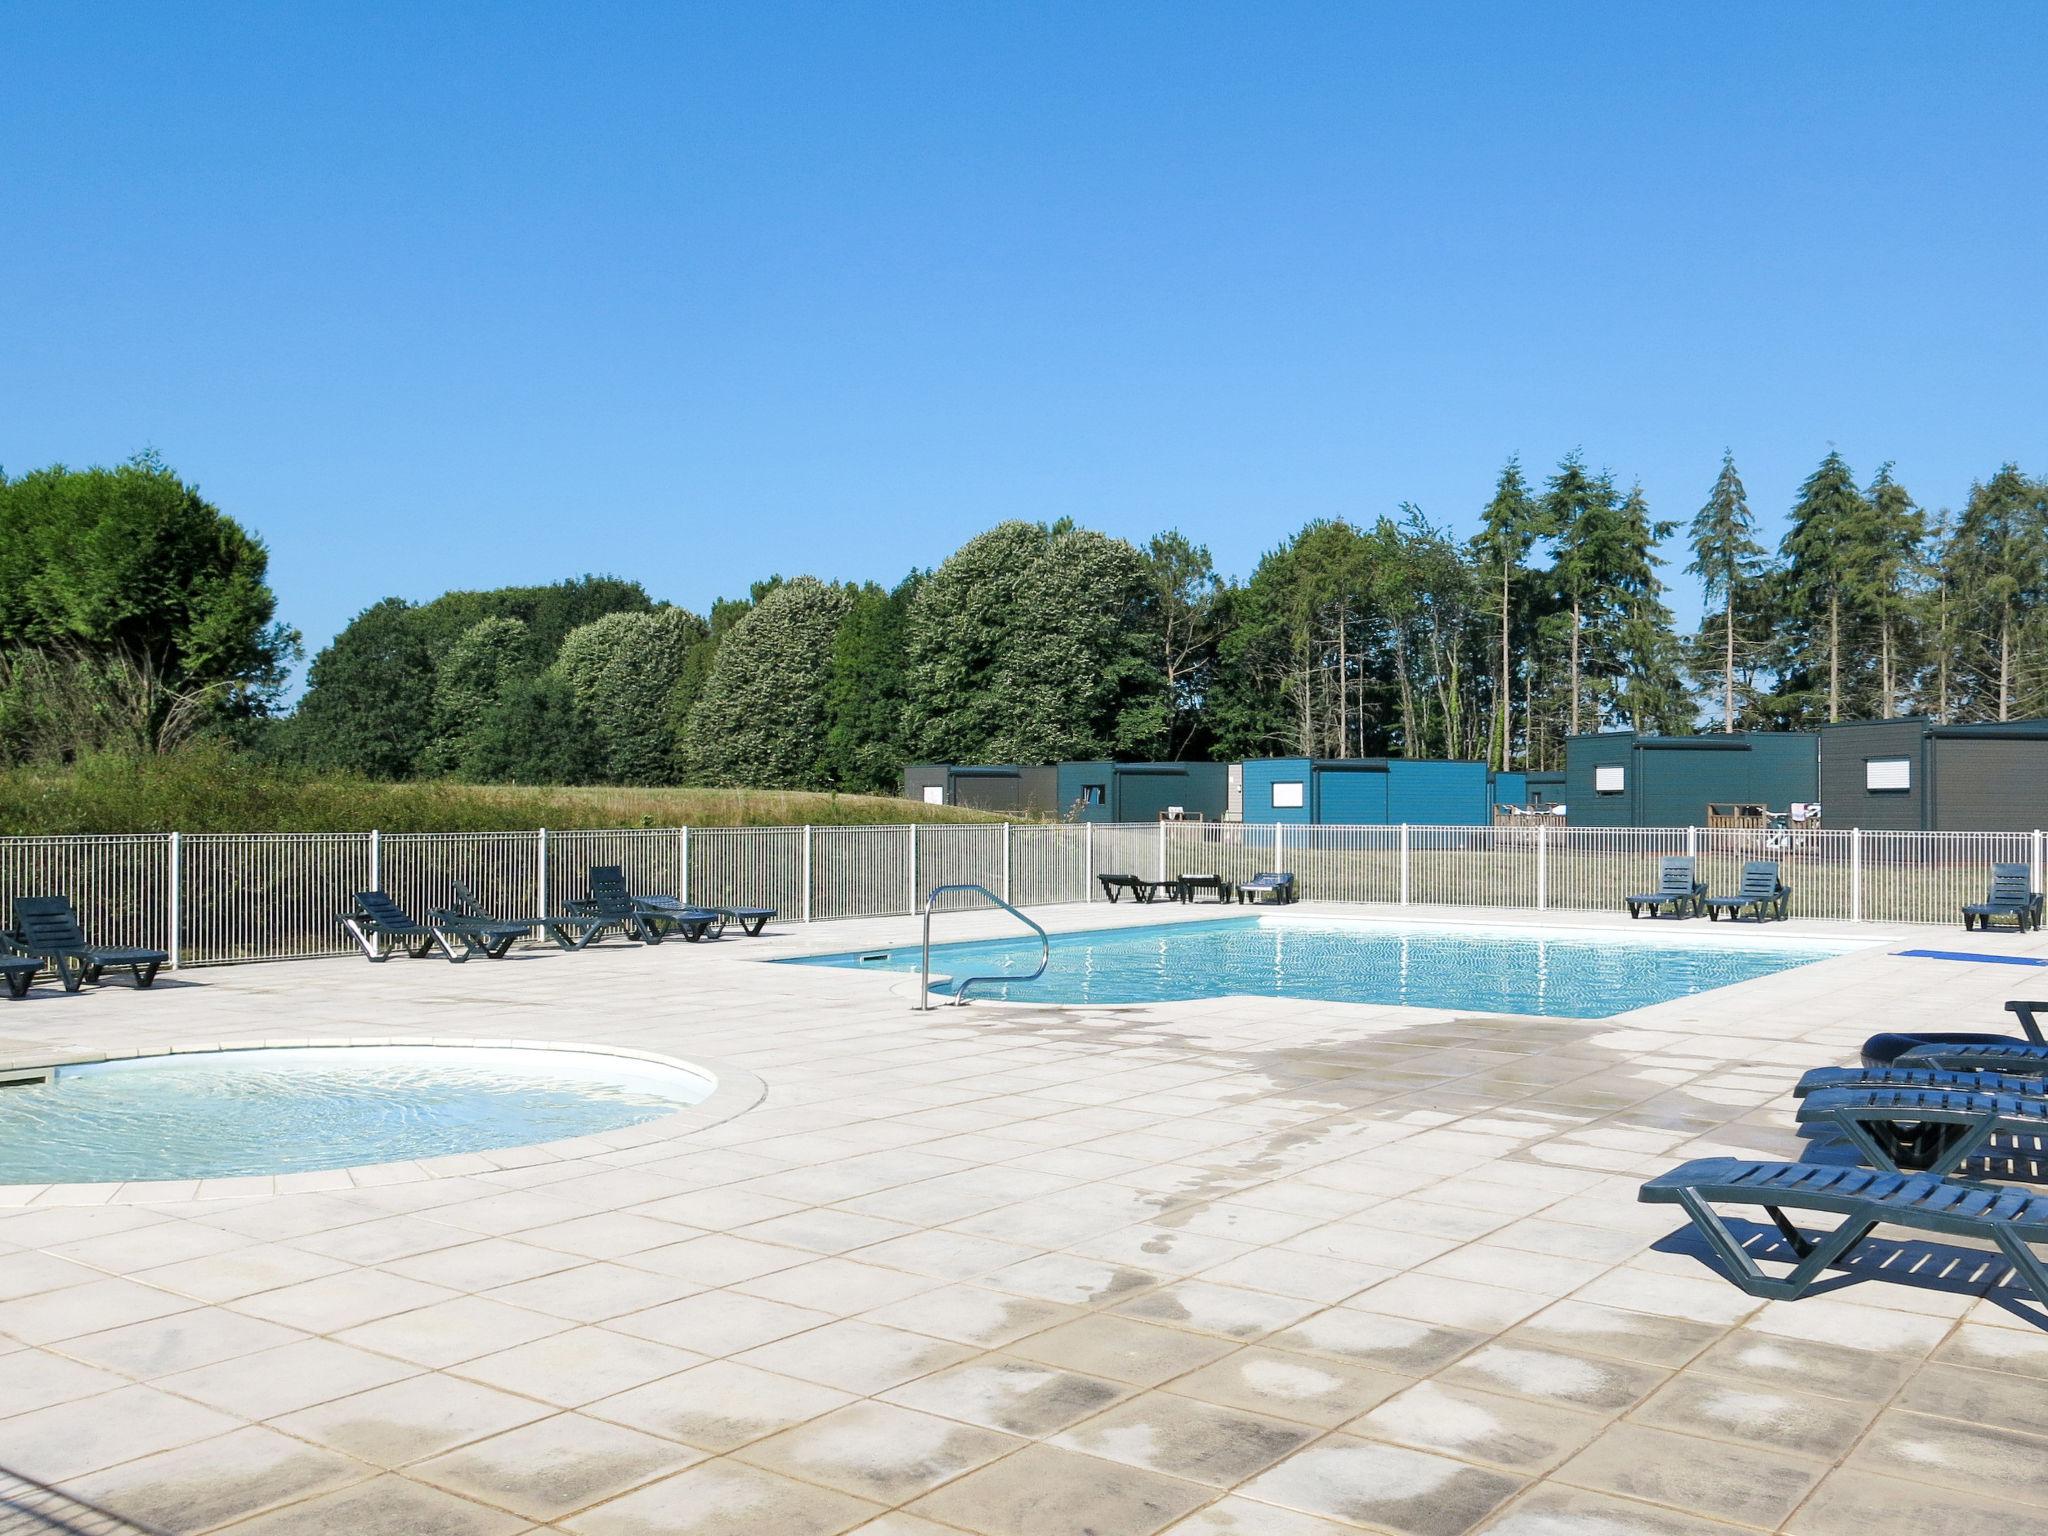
pixel 1996 568
pixel 1729 562
pixel 1820 578
pixel 1575 507
pixel 1649 694
pixel 1510 526
pixel 1889 566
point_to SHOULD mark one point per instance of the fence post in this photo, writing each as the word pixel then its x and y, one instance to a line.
pixel 1542 867
pixel 1087 861
pixel 1280 847
pixel 376 860
pixel 1162 852
pixel 177 889
pixel 1006 861
pixel 541 890
pixel 915 904
pixel 1855 874
pixel 1692 843
pixel 807 872
pixel 2036 860
pixel 683 862
pixel 1404 863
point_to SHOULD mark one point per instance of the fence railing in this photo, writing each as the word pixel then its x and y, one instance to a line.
pixel 213 899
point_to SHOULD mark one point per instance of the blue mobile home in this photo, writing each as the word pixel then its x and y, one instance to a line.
pixel 1367 791
pixel 1620 779
pixel 1126 792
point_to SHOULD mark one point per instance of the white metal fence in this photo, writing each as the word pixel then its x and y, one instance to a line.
pixel 211 899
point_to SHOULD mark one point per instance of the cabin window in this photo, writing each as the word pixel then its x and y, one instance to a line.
pixel 1608 780
pixel 1287 795
pixel 935 794
pixel 1095 794
pixel 1888 775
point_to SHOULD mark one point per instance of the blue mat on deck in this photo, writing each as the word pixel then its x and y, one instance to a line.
pixel 1964 954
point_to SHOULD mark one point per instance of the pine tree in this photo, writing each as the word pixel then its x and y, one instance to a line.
pixel 1889 567
pixel 1728 560
pixel 1996 568
pixel 1820 570
pixel 1648 692
pixel 1575 508
pixel 1511 523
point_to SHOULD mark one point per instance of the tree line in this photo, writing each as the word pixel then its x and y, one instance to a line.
pixel 134 614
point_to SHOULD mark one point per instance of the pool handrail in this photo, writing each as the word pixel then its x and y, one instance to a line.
pixel 924 971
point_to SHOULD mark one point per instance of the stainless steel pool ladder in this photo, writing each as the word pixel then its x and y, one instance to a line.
pixel 924 970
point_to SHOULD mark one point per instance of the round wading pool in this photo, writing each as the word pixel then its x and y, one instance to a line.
pixel 223 1114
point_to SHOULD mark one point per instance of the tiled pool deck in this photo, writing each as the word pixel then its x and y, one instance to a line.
pixel 1242 1266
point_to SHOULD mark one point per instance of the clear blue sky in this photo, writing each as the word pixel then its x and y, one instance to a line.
pixel 434 295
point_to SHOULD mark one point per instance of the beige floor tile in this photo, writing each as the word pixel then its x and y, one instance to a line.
pixel 198 1487
pixel 1590 1382
pixel 385 1506
pixel 973 1314
pixel 1975 1458
pixel 1581 1328
pixel 1298 1274
pixel 1793 1422
pixel 347 1300
pixel 1043 1489
pixel 1234 1516
pixel 1399 1344
pixel 725 1498
pixel 857 1357
pixel 93 1307
pixel 1771 1360
pixel 449 1332
pixel 411 1419
pixel 719 1406
pixel 1018 1396
pixel 1308 1389
pixel 1410 1492
pixel 36 1378
pixel 482 1264
pixel 277 1381
pixel 578 1367
pixel 1508 1432
pixel 879 1451
pixel 1857 1501
pixel 1551 1509
pixel 242 1272
pixel 178 1343
pixel 1451 1303
pixel 842 1287
pixel 1181 1437
pixel 1743 1484
pixel 1996 1349
pixel 714 1323
pixel 1123 1349
pixel 553 1467
pixel 1229 1310
pixel 56 1444
pixel 594 1293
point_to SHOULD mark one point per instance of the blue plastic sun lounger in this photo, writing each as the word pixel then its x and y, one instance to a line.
pixel 1679 888
pixel 1276 885
pixel 693 923
pixel 382 928
pixel 2012 895
pixel 1762 894
pixel 18 971
pixel 47 930
pixel 1936 1129
pixel 1905 1074
pixel 1864 1199
pixel 1932 1048
pixel 1141 890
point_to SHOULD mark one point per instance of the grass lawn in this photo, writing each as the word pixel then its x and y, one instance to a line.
pixel 215 791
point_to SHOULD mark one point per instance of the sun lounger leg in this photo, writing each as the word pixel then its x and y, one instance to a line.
pixel 1814 1255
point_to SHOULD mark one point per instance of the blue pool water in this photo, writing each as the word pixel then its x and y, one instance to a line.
pixel 218 1114
pixel 1492 970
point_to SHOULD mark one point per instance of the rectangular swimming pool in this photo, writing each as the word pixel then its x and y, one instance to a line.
pixel 1587 974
